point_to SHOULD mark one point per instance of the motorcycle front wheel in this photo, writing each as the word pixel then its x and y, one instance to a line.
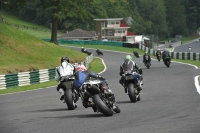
pixel 102 106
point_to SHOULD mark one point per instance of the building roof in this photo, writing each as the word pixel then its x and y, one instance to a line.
pixel 78 33
pixel 108 19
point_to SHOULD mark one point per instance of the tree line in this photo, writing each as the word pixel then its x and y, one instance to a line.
pixel 165 18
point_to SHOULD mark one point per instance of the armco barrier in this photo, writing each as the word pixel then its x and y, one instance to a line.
pixel 174 55
pixel 87 42
pixel 27 78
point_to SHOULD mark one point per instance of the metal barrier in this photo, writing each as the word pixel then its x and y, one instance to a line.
pixel 27 78
pixel 174 55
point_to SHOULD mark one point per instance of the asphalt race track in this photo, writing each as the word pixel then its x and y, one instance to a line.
pixel 184 48
pixel 169 103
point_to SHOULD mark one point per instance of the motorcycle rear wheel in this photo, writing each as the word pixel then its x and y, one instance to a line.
pixel 69 99
pixel 102 106
pixel 131 93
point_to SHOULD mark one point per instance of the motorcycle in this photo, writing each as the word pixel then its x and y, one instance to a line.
pixel 130 85
pixel 158 57
pixel 103 101
pixel 167 61
pixel 99 52
pixel 85 51
pixel 136 54
pixel 147 62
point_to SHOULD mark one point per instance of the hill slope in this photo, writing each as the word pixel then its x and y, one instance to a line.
pixel 20 52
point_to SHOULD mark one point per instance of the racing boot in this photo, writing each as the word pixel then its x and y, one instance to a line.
pixel 61 91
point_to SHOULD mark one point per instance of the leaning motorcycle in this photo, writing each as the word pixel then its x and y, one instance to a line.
pixel 102 100
pixel 99 52
pixel 167 61
pixel 147 62
pixel 136 54
pixel 130 86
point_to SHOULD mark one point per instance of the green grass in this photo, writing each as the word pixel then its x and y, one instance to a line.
pixel 96 66
pixel 41 32
pixel 20 52
pixel 104 47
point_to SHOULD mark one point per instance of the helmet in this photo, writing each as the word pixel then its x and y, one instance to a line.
pixel 128 57
pixel 81 67
pixel 64 59
pixel 158 49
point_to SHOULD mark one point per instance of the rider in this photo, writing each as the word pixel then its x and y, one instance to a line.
pixel 97 50
pixel 80 66
pixel 65 69
pixel 158 52
pixel 130 64
pixel 144 59
pixel 83 49
pixel 190 48
pixel 166 54
pixel 81 75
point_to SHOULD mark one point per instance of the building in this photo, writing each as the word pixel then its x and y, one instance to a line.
pixel 112 29
pixel 79 34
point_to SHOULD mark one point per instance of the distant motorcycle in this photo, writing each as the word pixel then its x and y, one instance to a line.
pixel 136 54
pixel 147 62
pixel 167 62
pixel 85 51
pixel 99 52
pixel 158 57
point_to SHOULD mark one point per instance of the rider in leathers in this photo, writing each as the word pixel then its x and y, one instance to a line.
pixel 158 52
pixel 128 64
pixel 80 76
pixel 65 69
pixel 166 54
pixel 144 59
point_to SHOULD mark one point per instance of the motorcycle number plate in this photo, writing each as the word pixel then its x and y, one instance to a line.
pixel 129 77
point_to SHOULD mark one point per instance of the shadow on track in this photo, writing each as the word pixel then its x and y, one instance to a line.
pixel 94 115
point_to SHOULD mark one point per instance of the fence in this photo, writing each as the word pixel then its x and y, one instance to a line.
pixel 174 55
pixel 27 78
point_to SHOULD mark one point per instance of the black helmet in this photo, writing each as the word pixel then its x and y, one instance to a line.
pixel 64 59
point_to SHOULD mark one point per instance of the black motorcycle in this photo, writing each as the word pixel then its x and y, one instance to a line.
pixel 85 51
pixel 167 62
pixel 102 100
pixel 136 54
pixel 99 52
pixel 147 62
pixel 130 83
pixel 158 56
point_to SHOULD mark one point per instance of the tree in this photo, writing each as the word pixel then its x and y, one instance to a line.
pixel 60 10
pixel 176 17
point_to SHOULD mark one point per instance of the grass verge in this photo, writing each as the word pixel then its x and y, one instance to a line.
pixel 95 66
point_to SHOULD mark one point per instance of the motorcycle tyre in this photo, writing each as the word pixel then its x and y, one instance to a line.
pixel 69 99
pixel 131 93
pixel 102 106
pixel 167 64
pixel 148 65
